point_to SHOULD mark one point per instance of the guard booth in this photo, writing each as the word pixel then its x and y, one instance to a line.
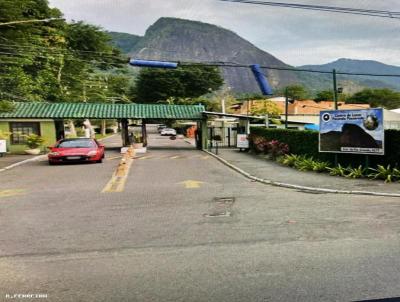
pixel 224 130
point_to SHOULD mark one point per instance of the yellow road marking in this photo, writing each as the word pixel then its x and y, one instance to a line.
pixel 191 184
pixel 12 192
pixel 118 180
pixel 145 157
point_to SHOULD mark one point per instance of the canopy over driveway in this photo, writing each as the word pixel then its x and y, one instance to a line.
pixel 104 111
pixel 121 112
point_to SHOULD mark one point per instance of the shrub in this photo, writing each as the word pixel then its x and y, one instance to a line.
pixel 258 143
pixel 320 166
pixel 381 172
pixel 138 138
pixel 299 142
pixel 306 143
pixel 33 141
pixel 356 172
pixel 304 164
pixel 289 159
pixel 80 132
pixel 275 149
pixel 338 171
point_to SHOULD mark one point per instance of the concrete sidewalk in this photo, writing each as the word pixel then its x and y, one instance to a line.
pixel 273 171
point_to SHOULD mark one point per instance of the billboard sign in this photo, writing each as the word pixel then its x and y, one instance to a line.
pixel 352 131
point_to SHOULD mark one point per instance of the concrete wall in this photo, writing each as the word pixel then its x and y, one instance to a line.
pixel 47 131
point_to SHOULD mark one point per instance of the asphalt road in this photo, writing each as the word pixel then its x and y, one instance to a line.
pixel 166 237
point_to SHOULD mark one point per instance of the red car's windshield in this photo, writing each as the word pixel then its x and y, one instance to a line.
pixel 81 143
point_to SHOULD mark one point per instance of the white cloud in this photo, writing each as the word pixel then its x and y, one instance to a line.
pixel 295 36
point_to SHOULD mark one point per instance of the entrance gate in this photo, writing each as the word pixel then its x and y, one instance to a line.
pixel 121 112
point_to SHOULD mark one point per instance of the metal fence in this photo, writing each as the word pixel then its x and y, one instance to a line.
pixel 221 137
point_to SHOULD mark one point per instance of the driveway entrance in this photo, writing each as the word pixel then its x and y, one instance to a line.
pixel 124 113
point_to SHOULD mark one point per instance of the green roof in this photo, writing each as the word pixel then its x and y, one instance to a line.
pixel 103 111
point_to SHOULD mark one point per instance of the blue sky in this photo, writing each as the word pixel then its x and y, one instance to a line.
pixel 297 37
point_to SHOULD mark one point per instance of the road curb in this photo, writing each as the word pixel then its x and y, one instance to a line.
pixel 297 187
pixel 36 158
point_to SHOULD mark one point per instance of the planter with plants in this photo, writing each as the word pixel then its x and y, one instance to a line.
pixel 137 140
pixel 34 141
pixel 3 141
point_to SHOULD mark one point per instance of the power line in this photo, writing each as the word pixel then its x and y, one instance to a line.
pixel 227 64
pixel 24 53
pixel 334 9
pixel 220 64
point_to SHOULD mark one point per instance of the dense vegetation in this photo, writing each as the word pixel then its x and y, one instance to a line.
pixel 154 85
pixel 55 61
pixel 386 98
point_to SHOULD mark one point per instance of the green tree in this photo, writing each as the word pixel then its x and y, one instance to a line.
pixel 89 42
pixel 24 65
pixel 324 95
pixel 266 108
pixel 327 95
pixel 295 91
pixel 49 61
pixel 155 85
pixel 386 98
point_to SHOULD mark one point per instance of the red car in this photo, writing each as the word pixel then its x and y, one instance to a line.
pixel 75 150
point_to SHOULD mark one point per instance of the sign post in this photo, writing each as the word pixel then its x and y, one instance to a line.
pixel 3 147
pixel 242 141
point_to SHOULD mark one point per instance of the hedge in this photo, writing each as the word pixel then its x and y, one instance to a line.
pixel 306 143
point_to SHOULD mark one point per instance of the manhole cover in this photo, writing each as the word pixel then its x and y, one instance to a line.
pixel 220 214
pixel 221 207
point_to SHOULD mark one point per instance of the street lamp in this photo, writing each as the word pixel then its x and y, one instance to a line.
pixel 336 89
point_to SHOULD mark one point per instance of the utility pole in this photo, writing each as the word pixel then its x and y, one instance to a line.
pixel 286 107
pixel 266 117
pixel 335 90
